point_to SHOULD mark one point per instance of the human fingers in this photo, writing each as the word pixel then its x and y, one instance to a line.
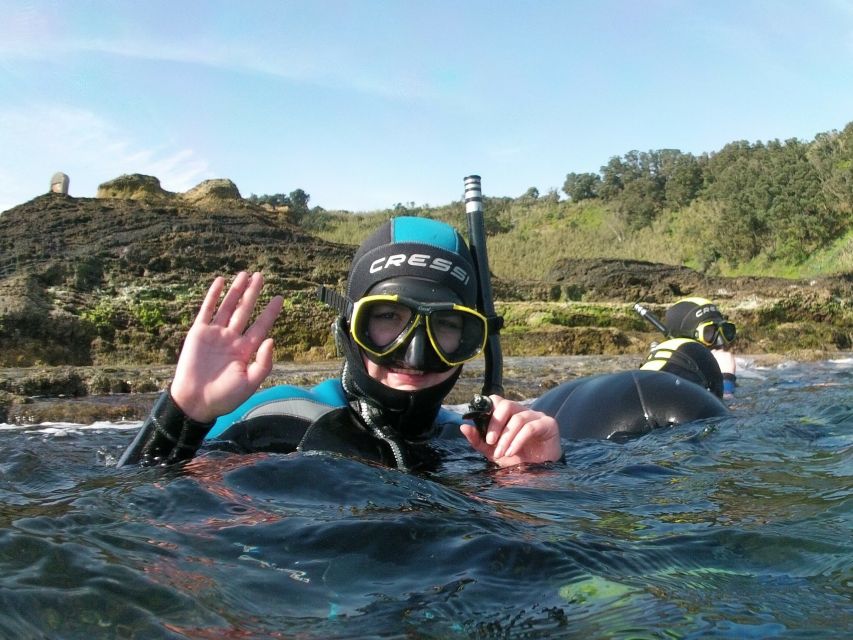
pixel 246 304
pixel 502 411
pixel 208 305
pixel 520 423
pixel 266 319
pixel 232 297
pixel 540 434
pixel 258 370
pixel 473 437
pixel 513 426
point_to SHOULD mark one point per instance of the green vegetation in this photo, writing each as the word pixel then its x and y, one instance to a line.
pixel 101 317
pixel 765 209
pixel 150 316
pixel 296 202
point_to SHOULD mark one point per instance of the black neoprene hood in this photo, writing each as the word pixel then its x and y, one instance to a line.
pixel 684 316
pixel 414 247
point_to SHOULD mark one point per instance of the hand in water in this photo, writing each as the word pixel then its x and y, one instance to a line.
pixel 222 362
pixel 516 435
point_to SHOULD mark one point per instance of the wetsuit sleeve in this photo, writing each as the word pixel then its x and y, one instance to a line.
pixel 729 383
pixel 166 436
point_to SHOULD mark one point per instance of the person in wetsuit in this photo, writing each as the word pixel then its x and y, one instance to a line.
pixel 679 382
pixel 407 325
pixel 701 320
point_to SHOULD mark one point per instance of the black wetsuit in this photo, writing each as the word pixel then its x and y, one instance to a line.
pixel 285 419
pixel 627 404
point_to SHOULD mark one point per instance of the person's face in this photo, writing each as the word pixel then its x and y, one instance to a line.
pixel 384 322
pixel 404 379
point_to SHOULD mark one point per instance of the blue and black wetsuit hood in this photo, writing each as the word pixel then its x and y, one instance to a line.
pixel 402 249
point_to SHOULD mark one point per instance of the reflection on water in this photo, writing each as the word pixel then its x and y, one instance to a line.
pixel 730 528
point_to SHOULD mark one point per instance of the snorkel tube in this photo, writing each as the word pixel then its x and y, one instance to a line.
pixel 652 318
pixel 493 375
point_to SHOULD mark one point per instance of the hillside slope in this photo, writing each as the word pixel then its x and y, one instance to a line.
pixel 97 280
pixel 116 280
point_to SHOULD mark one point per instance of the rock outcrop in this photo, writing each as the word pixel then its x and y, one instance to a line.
pixel 133 187
pixel 87 281
pixel 211 194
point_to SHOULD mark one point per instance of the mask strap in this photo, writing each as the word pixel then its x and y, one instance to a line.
pixel 340 303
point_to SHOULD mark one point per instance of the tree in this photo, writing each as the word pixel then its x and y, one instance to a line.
pixel 740 189
pixel 772 201
pixel 613 177
pixel 831 154
pixel 581 186
pixel 275 200
pixel 299 201
pixel 682 177
pixel 801 220
pixel 639 203
pixel 531 194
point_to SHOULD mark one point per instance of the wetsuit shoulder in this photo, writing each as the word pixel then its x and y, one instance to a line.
pixel 627 403
pixel 278 419
pixel 284 400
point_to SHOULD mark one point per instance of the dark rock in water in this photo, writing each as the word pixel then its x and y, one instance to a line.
pixel 774 315
pixel 621 280
pixel 650 282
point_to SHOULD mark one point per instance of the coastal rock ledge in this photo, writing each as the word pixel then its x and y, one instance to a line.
pixel 95 289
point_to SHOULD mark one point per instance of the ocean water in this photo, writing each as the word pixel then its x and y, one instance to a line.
pixel 739 527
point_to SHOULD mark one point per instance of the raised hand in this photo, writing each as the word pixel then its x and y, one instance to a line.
pixel 516 435
pixel 222 362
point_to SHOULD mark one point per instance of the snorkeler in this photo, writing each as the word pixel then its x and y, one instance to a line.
pixel 701 320
pixel 407 323
pixel 678 383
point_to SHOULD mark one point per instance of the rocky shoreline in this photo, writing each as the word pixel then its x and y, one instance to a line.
pixel 87 395
pixel 96 295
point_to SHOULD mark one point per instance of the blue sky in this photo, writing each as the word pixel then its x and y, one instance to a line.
pixel 364 104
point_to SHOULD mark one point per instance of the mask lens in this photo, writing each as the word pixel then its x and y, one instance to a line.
pixel 383 324
pixel 457 334
pixel 707 333
pixel 380 325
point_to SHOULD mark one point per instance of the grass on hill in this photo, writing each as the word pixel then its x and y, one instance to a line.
pixel 527 237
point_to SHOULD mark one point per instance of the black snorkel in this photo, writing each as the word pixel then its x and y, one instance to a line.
pixel 493 375
pixel 652 318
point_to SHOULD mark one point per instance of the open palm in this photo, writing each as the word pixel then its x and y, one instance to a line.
pixel 222 362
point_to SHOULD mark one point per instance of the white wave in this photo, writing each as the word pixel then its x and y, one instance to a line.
pixel 66 428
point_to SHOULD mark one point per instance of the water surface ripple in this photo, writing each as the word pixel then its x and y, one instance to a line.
pixel 727 528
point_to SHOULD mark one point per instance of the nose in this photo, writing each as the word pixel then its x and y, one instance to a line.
pixel 416 350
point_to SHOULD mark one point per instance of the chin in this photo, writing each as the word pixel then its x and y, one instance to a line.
pixel 405 379
pixel 410 379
